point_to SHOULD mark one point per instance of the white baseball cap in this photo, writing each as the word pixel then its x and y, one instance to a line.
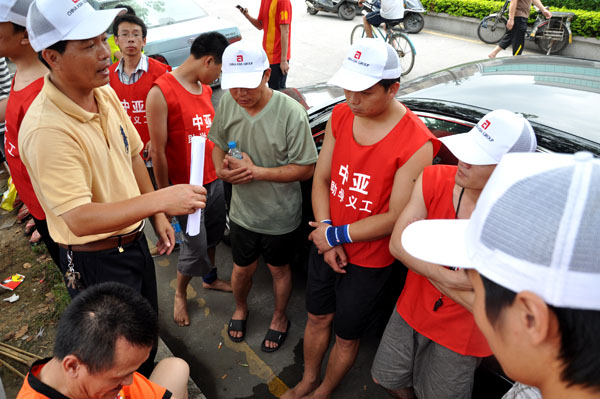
pixel 536 227
pixel 14 11
pixel 50 21
pixel 367 62
pixel 243 65
pixel 497 133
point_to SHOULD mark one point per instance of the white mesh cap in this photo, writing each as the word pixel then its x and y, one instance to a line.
pixel 50 21
pixel 14 11
pixel 244 63
pixel 497 133
pixel 536 227
pixel 367 62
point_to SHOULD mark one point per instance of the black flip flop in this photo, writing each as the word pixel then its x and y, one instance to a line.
pixel 275 336
pixel 237 325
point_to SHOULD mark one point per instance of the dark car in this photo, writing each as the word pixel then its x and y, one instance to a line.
pixel 559 96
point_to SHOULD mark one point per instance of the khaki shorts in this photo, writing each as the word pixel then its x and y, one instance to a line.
pixel 407 359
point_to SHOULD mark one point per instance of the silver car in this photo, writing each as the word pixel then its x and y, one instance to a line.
pixel 173 25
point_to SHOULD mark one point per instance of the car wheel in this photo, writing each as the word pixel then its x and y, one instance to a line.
pixel 347 11
pixel 311 10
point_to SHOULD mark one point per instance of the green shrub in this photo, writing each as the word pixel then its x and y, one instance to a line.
pixel 585 5
pixel 585 23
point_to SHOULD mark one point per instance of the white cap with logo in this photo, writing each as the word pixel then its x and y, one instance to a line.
pixel 536 227
pixel 14 11
pixel 51 21
pixel 243 66
pixel 497 133
pixel 367 62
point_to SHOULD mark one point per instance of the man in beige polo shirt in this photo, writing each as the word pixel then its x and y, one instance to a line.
pixel 82 153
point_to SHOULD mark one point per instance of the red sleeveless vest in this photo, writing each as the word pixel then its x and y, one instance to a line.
pixel 451 326
pixel 133 97
pixel 362 177
pixel 17 106
pixel 189 115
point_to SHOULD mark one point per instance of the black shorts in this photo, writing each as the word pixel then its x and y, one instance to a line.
pixel 247 246
pixel 357 298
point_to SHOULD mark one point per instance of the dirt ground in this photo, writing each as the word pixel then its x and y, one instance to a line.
pixel 30 322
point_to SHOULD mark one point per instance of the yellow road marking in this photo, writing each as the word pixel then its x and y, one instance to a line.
pixel 256 366
pixel 452 36
pixel 164 262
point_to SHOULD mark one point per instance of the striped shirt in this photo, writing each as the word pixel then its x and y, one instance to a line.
pixel 142 67
pixel 5 80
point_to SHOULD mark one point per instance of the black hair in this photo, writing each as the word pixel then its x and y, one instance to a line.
pixel 579 346
pixel 128 8
pixel 387 83
pixel 97 317
pixel 60 47
pixel 18 28
pixel 211 43
pixel 131 18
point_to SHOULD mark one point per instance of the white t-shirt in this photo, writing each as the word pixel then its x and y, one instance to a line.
pixel 392 9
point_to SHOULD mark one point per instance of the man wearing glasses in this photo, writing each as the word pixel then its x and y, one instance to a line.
pixel 132 77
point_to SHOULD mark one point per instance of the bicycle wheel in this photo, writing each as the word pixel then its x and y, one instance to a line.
pixel 551 45
pixel 358 32
pixel 406 51
pixel 491 29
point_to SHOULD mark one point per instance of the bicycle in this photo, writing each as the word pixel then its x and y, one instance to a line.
pixel 395 37
pixel 551 35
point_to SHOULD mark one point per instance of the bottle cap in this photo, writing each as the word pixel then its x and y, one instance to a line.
pixel 232 144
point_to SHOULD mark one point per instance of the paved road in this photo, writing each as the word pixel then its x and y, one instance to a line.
pixel 242 370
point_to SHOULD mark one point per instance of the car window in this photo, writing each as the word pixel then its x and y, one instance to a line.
pixel 157 12
pixel 441 127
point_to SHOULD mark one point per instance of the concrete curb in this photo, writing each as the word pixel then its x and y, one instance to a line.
pixel 164 352
pixel 581 47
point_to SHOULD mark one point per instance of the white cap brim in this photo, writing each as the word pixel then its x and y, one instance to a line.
pixel 245 80
pixel 440 241
pixel 352 81
pixel 463 147
pixel 95 24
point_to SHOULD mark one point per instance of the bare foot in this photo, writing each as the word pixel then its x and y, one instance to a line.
pixel 301 390
pixel 180 313
pixel 316 395
pixel 238 314
pixel 278 323
pixel 219 285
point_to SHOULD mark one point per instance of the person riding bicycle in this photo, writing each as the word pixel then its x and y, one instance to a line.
pixel 390 13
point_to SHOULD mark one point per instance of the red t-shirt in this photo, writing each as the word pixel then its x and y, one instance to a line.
pixel 189 115
pixel 362 177
pixel 451 326
pixel 133 96
pixel 272 14
pixel 140 388
pixel 17 106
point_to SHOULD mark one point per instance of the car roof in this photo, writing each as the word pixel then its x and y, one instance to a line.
pixel 558 92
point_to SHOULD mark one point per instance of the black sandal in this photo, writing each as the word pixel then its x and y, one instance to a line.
pixel 275 336
pixel 237 325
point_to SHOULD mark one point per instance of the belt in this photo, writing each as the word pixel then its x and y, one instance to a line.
pixel 109 242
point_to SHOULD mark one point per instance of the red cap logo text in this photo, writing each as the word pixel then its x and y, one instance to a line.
pixel 240 58
pixel 485 124
pixel 357 55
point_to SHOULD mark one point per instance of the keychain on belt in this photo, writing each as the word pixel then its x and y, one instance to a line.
pixel 73 277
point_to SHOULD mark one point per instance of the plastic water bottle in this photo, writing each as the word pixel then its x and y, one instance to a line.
pixel 233 150
pixel 177 229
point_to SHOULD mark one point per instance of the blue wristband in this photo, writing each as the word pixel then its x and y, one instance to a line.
pixel 328 221
pixel 337 235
